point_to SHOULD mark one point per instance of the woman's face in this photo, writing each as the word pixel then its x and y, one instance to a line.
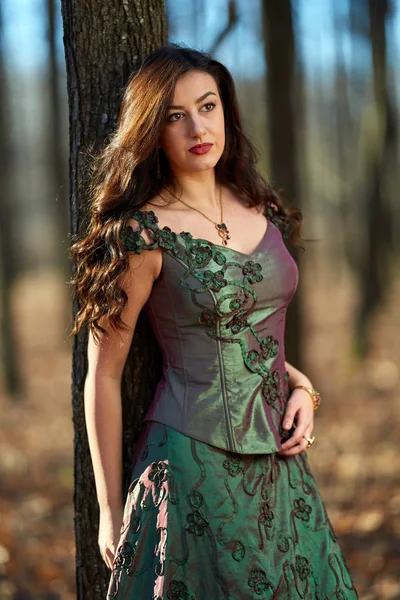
pixel 194 117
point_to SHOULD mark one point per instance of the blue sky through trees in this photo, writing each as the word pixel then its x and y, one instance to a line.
pixel 25 44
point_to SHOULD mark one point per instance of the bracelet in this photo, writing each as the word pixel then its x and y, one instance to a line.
pixel 315 396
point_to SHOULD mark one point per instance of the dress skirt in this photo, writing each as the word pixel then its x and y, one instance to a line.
pixel 203 523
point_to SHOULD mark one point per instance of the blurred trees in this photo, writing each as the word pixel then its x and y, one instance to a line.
pixel 284 117
pixel 58 197
pixel 98 68
pixel 233 17
pixel 8 267
pixel 380 153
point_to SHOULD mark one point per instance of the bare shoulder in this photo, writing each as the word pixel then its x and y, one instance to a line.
pixel 157 205
pixel 168 212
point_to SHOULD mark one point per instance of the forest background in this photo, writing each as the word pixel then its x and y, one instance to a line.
pixel 319 84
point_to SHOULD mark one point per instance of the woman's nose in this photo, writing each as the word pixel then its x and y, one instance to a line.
pixel 197 128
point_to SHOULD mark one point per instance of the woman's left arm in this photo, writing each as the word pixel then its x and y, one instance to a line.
pixel 299 409
pixel 296 377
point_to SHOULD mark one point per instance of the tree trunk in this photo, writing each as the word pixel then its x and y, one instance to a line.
pixel 104 42
pixel 283 104
pixel 12 379
pixel 376 256
pixel 57 171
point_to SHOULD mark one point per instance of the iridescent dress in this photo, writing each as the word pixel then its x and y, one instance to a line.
pixel 213 512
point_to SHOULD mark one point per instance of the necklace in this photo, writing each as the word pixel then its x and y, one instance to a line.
pixel 222 229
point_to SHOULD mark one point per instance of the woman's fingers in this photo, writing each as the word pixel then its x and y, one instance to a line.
pixel 291 410
pixel 300 443
pixel 300 447
pixel 110 560
pixel 300 412
pixel 297 435
pixel 108 555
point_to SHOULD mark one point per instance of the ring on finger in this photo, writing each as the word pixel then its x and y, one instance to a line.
pixel 310 441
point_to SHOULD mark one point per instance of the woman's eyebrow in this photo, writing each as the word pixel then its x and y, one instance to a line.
pixel 197 101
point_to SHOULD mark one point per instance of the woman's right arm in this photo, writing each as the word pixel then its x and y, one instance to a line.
pixel 102 399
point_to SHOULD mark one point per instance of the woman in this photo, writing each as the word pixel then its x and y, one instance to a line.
pixel 222 503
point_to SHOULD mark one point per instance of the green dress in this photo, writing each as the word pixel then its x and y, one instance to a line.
pixel 213 512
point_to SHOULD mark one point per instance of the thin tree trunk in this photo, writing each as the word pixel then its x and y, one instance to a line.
pixel 344 232
pixel 375 264
pixel 105 40
pixel 12 379
pixel 58 172
pixel 283 104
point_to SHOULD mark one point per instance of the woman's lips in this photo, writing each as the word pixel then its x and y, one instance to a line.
pixel 203 149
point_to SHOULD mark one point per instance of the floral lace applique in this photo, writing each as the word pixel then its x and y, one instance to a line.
pixel 158 473
pixel 123 563
pixel 124 559
pixel 267 516
pixel 303 567
pixel 132 239
pixel 233 465
pixel 178 590
pixel 239 551
pixel 279 221
pixel 283 543
pixel 302 510
pixel 259 582
pixel 196 523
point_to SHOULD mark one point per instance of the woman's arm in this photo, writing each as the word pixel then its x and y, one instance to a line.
pixel 296 377
pixel 104 427
pixel 299 409
pixel 102 399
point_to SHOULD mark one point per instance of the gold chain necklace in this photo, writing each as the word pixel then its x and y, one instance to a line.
pixel 222 229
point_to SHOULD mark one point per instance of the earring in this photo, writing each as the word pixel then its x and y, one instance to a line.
pixel 158 165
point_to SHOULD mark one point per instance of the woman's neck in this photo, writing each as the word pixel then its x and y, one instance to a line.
pixel 198 189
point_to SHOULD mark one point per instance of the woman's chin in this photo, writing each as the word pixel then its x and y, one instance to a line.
pixel 201 165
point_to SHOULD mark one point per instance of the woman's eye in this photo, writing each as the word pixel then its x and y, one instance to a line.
pixel 209 104
pixel 171 117
pixel 177 116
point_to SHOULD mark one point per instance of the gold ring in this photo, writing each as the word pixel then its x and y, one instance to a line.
pixel 309 440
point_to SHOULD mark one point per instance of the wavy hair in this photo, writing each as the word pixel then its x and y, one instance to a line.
pixel 123 179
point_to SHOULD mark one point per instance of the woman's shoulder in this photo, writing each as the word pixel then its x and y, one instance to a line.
pixel 140 232
pixel 150 213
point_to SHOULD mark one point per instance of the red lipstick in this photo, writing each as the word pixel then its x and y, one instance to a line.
pixel 201 148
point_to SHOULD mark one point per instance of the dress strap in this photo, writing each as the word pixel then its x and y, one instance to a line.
pixel 132 238
pixel 279 221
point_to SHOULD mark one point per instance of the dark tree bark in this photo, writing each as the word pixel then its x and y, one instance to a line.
pixel 12 379
pixel 283 107
pixel 105 40
pixel 375 264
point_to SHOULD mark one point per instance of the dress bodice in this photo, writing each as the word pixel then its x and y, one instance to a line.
pixel 219 318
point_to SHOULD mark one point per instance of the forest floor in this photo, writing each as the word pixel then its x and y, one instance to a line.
pixel 355 458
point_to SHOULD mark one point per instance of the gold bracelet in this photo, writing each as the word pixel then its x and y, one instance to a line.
pixel 315 396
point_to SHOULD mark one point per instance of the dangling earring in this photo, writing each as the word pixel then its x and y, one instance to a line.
pixel 158 165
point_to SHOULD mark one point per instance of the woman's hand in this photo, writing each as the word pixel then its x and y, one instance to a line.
pixel 300 412
pixel 109 533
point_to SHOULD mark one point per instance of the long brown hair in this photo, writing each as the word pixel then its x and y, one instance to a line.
pixel 123 178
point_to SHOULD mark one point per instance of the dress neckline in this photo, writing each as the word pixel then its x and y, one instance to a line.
pixel 182 235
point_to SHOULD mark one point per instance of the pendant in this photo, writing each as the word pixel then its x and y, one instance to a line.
pixel 223 232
